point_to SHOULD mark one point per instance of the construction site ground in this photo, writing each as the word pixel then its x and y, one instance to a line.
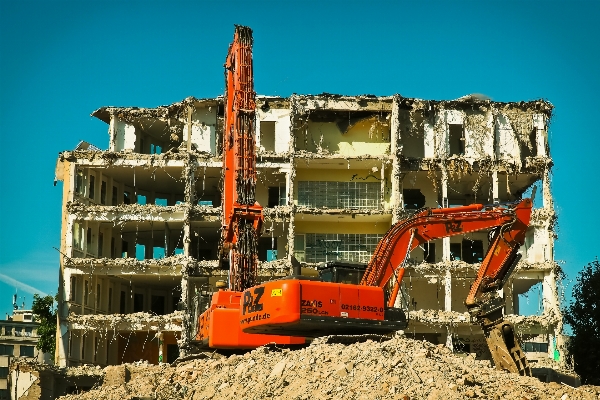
pixel 396 368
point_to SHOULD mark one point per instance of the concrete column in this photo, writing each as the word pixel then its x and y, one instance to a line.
pixel 161 345
pixel 547 201
pixel 448 290
pixel 396 195
pixel 509 304
pixel 495 191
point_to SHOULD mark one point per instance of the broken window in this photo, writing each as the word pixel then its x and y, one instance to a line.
pixel 157 305
pixel 472 251
pixel 277 196
pixel 267 135
pixel 413 199
pixel 126 198
pixel 457 139
pixel 138 302
pixel 429 252
pixel 92 186
pixel 103 192
pixel 455 252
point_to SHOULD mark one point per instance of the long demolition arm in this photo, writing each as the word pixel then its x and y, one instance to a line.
pixel 484 305
pixel 242 215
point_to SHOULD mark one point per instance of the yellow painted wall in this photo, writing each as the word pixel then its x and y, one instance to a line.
pixel 354 142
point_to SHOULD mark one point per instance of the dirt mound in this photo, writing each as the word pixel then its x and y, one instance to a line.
pixel 398 368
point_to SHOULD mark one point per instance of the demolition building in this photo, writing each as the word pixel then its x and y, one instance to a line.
pixel 141 220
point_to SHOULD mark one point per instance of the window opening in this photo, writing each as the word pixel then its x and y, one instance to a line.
pixel 157 305
pixel 455 252
pixel 162 202
pixel 126 198
pixel 429 252
pixel 114 196
pixel 140 251
pixel 100 244
pixel 98 295
pixel 92 186
pixel 155 149
pixel 267 135
pixel 110 295
pixel 358 195
pixel 345 247
pixel 124 249
pixel 122 302
pixel 86 292
pixel 138 302
pixel 413 199
pixel 472 251
pixel 103 192
pixel 26 351
pixel 141 199
pixel 457 139
pixel 89 240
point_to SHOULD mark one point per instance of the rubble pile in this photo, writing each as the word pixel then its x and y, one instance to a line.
pixel 398 368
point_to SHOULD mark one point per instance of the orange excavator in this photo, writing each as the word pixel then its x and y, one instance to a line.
pixel 286 311
pixel 316 307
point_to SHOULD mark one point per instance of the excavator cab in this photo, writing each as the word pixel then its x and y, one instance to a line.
pixel 342 272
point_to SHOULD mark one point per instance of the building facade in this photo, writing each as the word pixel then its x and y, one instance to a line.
pixel 18 338
pixel 141 220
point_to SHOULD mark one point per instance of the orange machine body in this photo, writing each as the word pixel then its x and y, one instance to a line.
pixel 313 308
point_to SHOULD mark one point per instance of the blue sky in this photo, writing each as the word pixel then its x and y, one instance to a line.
pixel 60 60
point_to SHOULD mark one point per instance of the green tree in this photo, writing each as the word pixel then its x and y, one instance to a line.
pixel 583 314
pixel 45 315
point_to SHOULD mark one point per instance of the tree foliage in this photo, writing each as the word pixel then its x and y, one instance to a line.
pixel 583 314
pixel 45 315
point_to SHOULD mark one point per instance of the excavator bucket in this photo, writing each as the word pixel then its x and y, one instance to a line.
pixel 505 349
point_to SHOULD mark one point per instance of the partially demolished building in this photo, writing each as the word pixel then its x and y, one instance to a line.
pixel 141 220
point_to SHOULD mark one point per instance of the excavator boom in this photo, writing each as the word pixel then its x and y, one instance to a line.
pixel 242 217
